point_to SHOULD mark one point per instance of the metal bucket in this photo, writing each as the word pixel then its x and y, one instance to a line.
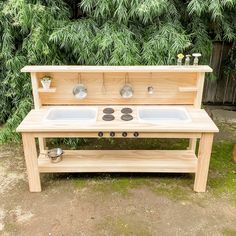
pixel 55 154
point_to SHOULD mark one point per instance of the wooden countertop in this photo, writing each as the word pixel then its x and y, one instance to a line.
pixel 101 69
pixel 201 122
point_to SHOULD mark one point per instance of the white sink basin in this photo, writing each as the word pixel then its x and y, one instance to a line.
pixel 72 114
pixel 168 115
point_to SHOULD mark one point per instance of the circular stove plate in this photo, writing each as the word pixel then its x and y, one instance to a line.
pixel 126 117
pixel 108 117
pixel 126 110
pixel 108 110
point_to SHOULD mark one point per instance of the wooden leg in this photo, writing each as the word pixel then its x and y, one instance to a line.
pixel 31 160
pixel 204 154
pixel 42 144
pixel 192 144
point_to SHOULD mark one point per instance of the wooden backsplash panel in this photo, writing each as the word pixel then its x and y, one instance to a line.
pixel 166 88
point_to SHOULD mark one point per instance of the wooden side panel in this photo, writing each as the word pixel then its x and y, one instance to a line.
pixel 200 85
pixel 198 103
pixel 104 88
pixel 35 86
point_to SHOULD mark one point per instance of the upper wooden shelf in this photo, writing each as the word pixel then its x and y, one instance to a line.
pixel 200 68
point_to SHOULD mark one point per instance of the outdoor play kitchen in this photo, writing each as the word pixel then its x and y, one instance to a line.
pixel 117 102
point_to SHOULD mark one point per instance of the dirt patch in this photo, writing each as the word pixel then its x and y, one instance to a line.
pixel 64 210
pixel 2 217
pixel 11 169
pixel 118 204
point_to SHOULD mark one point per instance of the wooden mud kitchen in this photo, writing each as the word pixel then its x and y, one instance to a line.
pixel 118 102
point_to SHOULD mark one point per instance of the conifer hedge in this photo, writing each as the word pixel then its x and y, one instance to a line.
pixel 100 32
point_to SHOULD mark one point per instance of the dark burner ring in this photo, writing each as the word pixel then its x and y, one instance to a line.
pixel 108 117
pixel 126 110
pixel 108 110
pixel 126 117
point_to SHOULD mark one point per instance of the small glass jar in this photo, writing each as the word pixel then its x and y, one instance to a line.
pixel 187 60
pixel 196 58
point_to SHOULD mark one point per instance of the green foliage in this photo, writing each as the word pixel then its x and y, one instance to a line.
pixel 163 42
pixel 105 32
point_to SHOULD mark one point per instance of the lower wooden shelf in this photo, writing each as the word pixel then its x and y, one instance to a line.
pixel 178 161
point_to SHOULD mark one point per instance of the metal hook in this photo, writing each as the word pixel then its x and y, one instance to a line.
pixel 103 84
pixel 79 78
pixel 126 78
pixel 150 88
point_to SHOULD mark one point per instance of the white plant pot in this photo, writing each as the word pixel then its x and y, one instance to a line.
pixel 46 84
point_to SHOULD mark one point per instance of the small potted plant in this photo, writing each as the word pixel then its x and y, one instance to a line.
pixel 46 82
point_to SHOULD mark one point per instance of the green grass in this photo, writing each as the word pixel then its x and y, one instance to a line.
pixel 222 176
pixel 79 182
pixel 229 232
pixel 109 183
pixel 221 181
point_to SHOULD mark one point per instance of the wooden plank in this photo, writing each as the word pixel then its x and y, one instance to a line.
pixel 204 154
pixel 200 85
pixel 31 162
pixel 198 103
pixel 192 144
pixel 50 90
pixel 167 68
pixel 185 100
pixel 42 144
pixel 34 82
pixel 188 89
pixel 117 135
pixel 122 161
pixel 104 88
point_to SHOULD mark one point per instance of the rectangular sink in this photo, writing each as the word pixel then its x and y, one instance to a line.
pixel 72 114
pixel 168 115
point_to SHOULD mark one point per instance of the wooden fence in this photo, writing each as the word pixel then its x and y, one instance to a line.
pixel 223 89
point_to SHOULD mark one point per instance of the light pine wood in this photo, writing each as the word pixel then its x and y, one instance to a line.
pixel 50 90
pixel 200 85
pixel 200 68
pixel 200 122
pixel 173 85
pixel 182 85
pixel 204 154
pixel 188 89
pixel 34 82
pixel 31 162
pixel 122 161
pixel 192 144
pixel 104 88
pixel 197 103
pixel 117 135
pixel 42 144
